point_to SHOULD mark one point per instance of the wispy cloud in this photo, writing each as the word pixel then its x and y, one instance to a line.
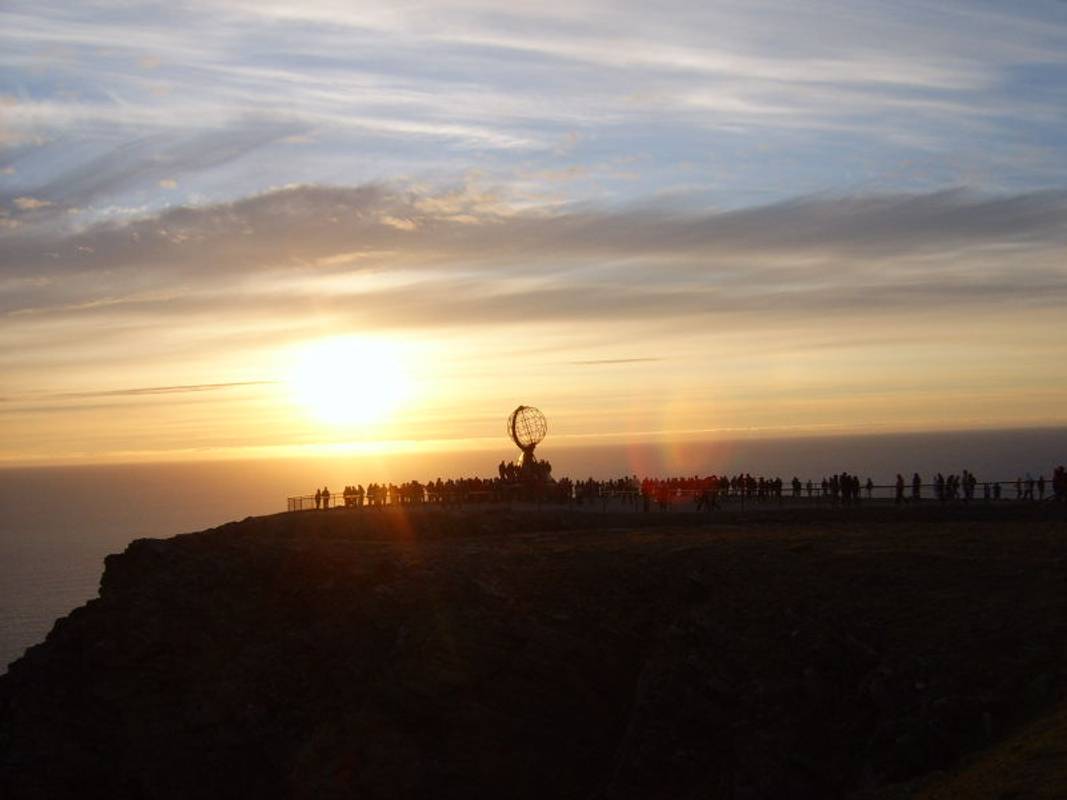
pixel 29 403
pixel 610 361
pixel 496 264
pixel 749 94
pixel 140 391
pixel 146 163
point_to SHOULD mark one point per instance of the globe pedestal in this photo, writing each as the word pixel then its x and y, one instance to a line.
pixel 533 472
pixel 527 460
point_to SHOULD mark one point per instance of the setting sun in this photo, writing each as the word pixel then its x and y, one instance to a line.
pixel 350 380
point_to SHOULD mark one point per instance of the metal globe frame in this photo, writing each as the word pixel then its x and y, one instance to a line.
pixel 527 427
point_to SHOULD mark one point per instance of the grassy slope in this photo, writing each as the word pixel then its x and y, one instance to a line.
pixel 1029 765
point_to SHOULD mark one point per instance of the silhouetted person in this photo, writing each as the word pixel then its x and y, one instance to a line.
pixel 916 486
pixel 706 501
pixel 325 497
pixel 969 482
pixel 899 489
pixel 870 488
pixel 1040 487
pixel 318 499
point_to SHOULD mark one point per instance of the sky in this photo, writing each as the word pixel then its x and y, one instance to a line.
pixel 241 229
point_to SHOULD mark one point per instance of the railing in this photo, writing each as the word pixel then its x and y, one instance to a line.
pixel 998 491
pixel 670 497
pixel 308 502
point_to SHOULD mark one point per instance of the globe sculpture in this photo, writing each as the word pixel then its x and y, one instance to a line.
pixel 527 427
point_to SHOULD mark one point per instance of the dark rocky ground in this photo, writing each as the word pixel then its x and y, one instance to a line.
pixel 493 653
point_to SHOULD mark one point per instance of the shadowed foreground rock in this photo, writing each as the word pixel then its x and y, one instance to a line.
pixel 528 655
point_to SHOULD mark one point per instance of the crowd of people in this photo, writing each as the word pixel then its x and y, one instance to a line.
pixel 965 486
pixel 439 492
pixel 707 491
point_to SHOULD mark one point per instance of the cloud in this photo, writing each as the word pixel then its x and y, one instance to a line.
pixel 748 89
pixel 30 203
pixel 138 391
pixel 151 161
pixel 462 259
pixel 300 226
pixel 610 361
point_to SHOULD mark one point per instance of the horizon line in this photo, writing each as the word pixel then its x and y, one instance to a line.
pixel 387 448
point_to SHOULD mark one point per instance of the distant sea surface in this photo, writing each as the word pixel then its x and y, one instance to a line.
pixel 58 523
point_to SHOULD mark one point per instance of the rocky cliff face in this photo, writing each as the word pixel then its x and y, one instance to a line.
pixel 499 654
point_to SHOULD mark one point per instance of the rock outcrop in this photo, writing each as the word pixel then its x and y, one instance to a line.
pixel 530 655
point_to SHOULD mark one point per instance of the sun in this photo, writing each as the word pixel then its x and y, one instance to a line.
pixel 350 380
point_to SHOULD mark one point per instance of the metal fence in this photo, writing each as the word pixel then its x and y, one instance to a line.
pixel 684 498
pixel 307 502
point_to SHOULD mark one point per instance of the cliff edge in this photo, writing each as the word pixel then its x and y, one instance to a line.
pixel 499 653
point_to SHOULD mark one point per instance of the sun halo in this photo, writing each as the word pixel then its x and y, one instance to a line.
pixel 351 381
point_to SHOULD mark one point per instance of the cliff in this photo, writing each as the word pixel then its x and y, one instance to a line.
pixel 529 655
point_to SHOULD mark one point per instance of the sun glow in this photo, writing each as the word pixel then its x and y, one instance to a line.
pixel 350 380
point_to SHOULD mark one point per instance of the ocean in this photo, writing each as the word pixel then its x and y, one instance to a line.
pixel 58 523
